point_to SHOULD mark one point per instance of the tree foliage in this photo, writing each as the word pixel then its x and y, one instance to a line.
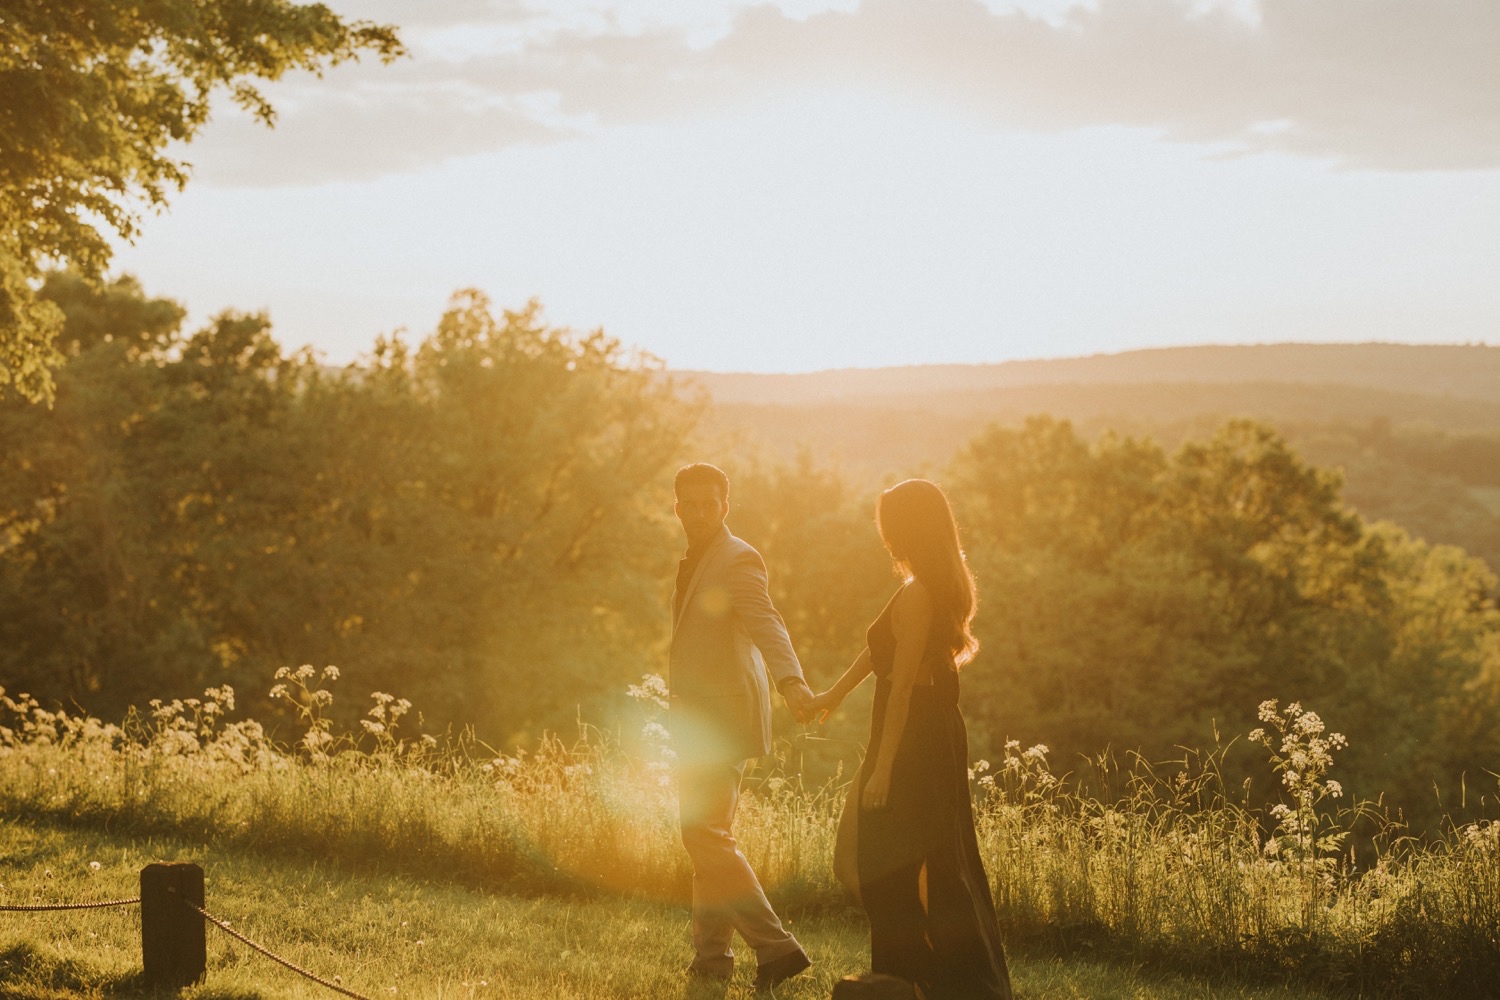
pixel 1442 486
pixel 93 96
pixel 479 522
pixel 1134 599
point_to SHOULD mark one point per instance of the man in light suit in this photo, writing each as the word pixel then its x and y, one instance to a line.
pixel 727 640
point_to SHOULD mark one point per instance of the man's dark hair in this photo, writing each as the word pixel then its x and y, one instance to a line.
pixel 701 473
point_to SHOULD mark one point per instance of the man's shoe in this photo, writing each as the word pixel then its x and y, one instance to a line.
pixel 779 970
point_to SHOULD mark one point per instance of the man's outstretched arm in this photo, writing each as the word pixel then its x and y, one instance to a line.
pixel 751 599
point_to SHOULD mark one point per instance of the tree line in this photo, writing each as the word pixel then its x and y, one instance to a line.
pixel 476 522
pixel 481 522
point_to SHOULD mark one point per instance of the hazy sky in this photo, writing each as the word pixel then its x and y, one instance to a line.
pixel 828 183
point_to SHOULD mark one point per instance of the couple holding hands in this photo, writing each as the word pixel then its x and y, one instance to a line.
pixel 917 868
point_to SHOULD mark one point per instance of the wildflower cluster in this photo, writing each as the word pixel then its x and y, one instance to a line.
pixel 652 694
pixel 303 689
pixel 181 729
pixel 1305 836
pixel 1023 778
pixel 1302 754
pixel 197 728
pixel 652 690
pixel 30 723
pixel 1483 837
pixel 382 722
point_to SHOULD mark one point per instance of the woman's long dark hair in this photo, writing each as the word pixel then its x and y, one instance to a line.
pixel 916 523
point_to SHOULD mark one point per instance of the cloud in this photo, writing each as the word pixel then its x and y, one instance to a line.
pixel 1378 84
pixel 431 13
pixel 1386 84
pixel 364 120
pixel 359 136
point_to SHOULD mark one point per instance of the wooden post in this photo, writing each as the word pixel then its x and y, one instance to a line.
pixel 174 946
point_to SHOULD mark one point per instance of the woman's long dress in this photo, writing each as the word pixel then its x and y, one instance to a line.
pixel 932 918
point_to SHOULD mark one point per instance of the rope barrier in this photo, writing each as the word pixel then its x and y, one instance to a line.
pixel 69 906
pixel 223 926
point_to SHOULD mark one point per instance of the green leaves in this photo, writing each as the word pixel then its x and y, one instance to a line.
pixel 1132 598
pixel 446 520
pixel 92 95
pixel 481 521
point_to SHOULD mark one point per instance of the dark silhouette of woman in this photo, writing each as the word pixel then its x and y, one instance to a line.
pixel 922 882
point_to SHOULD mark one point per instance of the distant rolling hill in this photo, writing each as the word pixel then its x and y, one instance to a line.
pixel 1470 371
pixel 1414 428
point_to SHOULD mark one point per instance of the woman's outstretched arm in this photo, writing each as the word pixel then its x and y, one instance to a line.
pixel 825 703
pixel 911 619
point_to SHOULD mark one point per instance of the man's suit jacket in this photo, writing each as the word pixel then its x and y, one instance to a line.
pixel 726 638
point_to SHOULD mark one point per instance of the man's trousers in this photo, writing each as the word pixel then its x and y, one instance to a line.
pixel 727 896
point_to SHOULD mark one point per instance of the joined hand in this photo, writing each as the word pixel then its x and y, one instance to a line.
pixel 799 698
pixel 823 705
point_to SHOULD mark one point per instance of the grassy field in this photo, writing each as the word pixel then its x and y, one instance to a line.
pixel 393 935
pixel 402 866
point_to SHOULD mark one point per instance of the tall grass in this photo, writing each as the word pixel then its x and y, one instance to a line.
pixel 1167 863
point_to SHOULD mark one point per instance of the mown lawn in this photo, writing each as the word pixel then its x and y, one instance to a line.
pixel 386 934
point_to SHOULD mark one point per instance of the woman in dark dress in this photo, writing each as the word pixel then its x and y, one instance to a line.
pixel 923 885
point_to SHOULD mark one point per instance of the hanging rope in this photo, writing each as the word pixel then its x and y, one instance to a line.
pixel 224 926
pixel 41 907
